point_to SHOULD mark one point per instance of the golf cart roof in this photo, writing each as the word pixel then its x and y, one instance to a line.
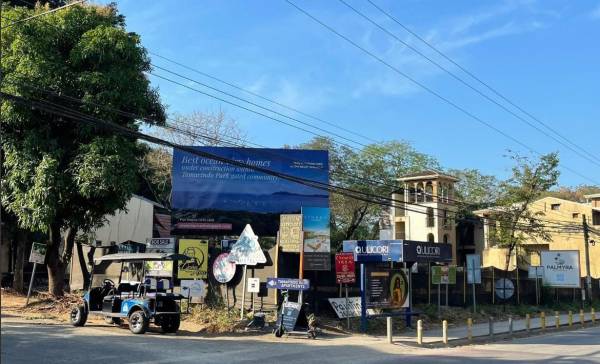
pixel 131 257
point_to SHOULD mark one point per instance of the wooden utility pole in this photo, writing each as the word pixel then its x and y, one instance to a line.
pixel 588 278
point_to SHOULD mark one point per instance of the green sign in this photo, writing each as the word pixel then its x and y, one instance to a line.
pixel 443 274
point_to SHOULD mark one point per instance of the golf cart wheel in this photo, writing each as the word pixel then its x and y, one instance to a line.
pixel 113 320
pixel 78 315
pixel 138 322
pixel 170 324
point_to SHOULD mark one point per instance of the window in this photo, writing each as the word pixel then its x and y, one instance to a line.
pixel 445 219
pixel 576 215
pixel 420 192
pixel 430 218
pixel 430 238
pixel 555 206
pixel 595 217
pixel 429 192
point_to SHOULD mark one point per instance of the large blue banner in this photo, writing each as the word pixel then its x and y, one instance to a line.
pixel 210 195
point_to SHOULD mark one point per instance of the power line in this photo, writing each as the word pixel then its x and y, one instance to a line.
pixel 428 89
pixel 44 13
pixel 473 76
pixel 466 84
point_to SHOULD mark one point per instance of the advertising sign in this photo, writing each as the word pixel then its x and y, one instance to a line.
pixel 387 288
pixel 38 253
pixel 193 288
pixel 317 246
pixel 247 250
pixel 291 284
pixel 561 268
pixel 158 268
pixel 213 196
pixel 290 233
pixel 375 250
pixel 344 268
pixel 423 252
pixel 291 311
pixel 196 266
pixel 253 285
pixel 343 311
pixel 473 268
pixel 223 269
pixel 443 274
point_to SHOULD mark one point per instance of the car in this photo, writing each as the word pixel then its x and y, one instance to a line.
pixel 150 301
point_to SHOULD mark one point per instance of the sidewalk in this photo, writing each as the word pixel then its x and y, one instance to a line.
pixel 434 336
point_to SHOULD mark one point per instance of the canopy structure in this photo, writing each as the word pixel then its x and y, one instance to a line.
pixel 133 257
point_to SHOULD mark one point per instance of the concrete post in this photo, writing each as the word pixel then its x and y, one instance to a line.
pixel 570 318
pixel 527 322
pixel 445 332
pixel 470 329
pixel 420 332
pixel 491 329
pixel 510 326
pixel 543 320
pixel 389 329
pixel 593 316
pixel 556 319
pixel 581 318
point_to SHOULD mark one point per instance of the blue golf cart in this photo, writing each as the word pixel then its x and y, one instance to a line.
pixel 149 300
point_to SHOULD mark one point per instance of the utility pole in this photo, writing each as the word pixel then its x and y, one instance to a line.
pixel 588 278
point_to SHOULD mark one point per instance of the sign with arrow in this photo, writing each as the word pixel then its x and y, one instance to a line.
pixel 247 250
pixel 291 284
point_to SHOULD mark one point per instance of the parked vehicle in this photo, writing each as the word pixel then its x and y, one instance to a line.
pixel 151 300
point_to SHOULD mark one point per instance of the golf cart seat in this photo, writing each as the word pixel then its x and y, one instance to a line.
pixel 157 285
pixel 127 289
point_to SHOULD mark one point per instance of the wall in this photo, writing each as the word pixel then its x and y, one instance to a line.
pixel 134 223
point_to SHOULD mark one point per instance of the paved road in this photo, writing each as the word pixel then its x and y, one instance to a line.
pixel 30 342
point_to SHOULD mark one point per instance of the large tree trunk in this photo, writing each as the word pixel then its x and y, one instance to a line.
pixel 20 242
pixel 84 264
pixel 58 258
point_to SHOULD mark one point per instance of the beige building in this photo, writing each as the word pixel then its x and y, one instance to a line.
pixel 425 211
pixel 560 214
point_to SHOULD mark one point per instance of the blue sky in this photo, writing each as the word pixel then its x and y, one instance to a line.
pixel 544 55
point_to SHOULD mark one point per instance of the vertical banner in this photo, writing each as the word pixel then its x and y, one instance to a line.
pixel 317 244
pixel 290 233
pixel 196 266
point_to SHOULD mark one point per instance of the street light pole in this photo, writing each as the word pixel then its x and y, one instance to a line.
pixel 588 278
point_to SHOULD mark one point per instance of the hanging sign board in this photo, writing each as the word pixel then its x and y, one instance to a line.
pixel 473 268
pixel 223 269
pixel 561 268
pixel 343 311
pixel 317 243
pixel 253 285
pixel 290 233
pixel 247 250
pixel 344 268
pixel 374 250
pixel 443 274
pixel 38 253
pixel 387 288
pixel 197 266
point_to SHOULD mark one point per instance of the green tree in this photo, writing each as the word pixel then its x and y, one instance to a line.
pixel 62 176
pixel 514 222
pixel 576 193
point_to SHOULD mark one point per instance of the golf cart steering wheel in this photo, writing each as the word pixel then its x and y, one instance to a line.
pixel 108 283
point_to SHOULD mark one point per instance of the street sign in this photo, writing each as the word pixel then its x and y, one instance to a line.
pixel 504 288
pixel 291 284
pixel 223 269
pixel 443 274
pixel 38 253
pixel 253 285
pixel 247 250
pixel 473 268
pixel 346 308
pixel 344 268
pixel 561 268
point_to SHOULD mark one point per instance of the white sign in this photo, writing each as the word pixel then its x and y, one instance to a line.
pixel 253 285
pixel 160 245
pixel 38 253
pixel 534 272
pixel 247 250
pixel 561 268
pixel 339 305
pixel 193 288
pixel 473 268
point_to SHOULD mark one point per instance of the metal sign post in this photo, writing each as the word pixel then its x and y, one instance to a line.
pixel 347 313
pixel 243 293
pixel 31 283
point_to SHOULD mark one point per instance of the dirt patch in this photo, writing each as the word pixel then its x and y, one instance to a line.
pixel 41 305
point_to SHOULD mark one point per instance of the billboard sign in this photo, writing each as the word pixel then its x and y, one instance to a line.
pixel 387 288
pixel 424 252
pixel 290 233
pixel 211 196
pixel 344 268
pixel 317 243
pixel 375 250
pixel 561 268
pixel 196 266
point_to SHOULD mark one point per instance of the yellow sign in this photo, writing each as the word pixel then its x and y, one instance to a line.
pixel 197 266
pixel 290 233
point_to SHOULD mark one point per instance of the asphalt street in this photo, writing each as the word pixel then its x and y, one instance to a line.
pixel 25 341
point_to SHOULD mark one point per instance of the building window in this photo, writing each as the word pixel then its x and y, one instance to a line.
pixel 555 206
pixel 595 217
pixel 445 219
pixel 429 192
pixel 576 215
pixel 430 238
pixel 430 218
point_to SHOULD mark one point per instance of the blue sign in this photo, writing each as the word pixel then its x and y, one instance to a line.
pixel 291 284
pixel 374 250
pixel 212 195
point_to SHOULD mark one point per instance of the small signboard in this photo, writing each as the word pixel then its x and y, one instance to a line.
pixel 534 272
pixel 423 252
pixel 160 245
pixel 253 285
pixel 193 288
pixel 290 233
pixel 38 253
pixel 290 313
pixel 197 266
pixel 443 274
pixel 344 268
pixel 473 268
pixel 160 268
pixel 247 250
pixel 223 269
pixel 561 268
pixel 317 243
pixel 387 288
pixel 505 288
pixel 291 284
pixel 343 311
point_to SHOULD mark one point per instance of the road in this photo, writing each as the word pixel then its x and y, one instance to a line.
pixel 26 341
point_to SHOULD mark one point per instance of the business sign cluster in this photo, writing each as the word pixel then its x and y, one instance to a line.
pixel 212 196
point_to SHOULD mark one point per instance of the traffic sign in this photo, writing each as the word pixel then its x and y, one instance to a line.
pixel 344 268
pixel 291 284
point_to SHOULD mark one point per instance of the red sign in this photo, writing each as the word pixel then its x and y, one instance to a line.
pixel 344 268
